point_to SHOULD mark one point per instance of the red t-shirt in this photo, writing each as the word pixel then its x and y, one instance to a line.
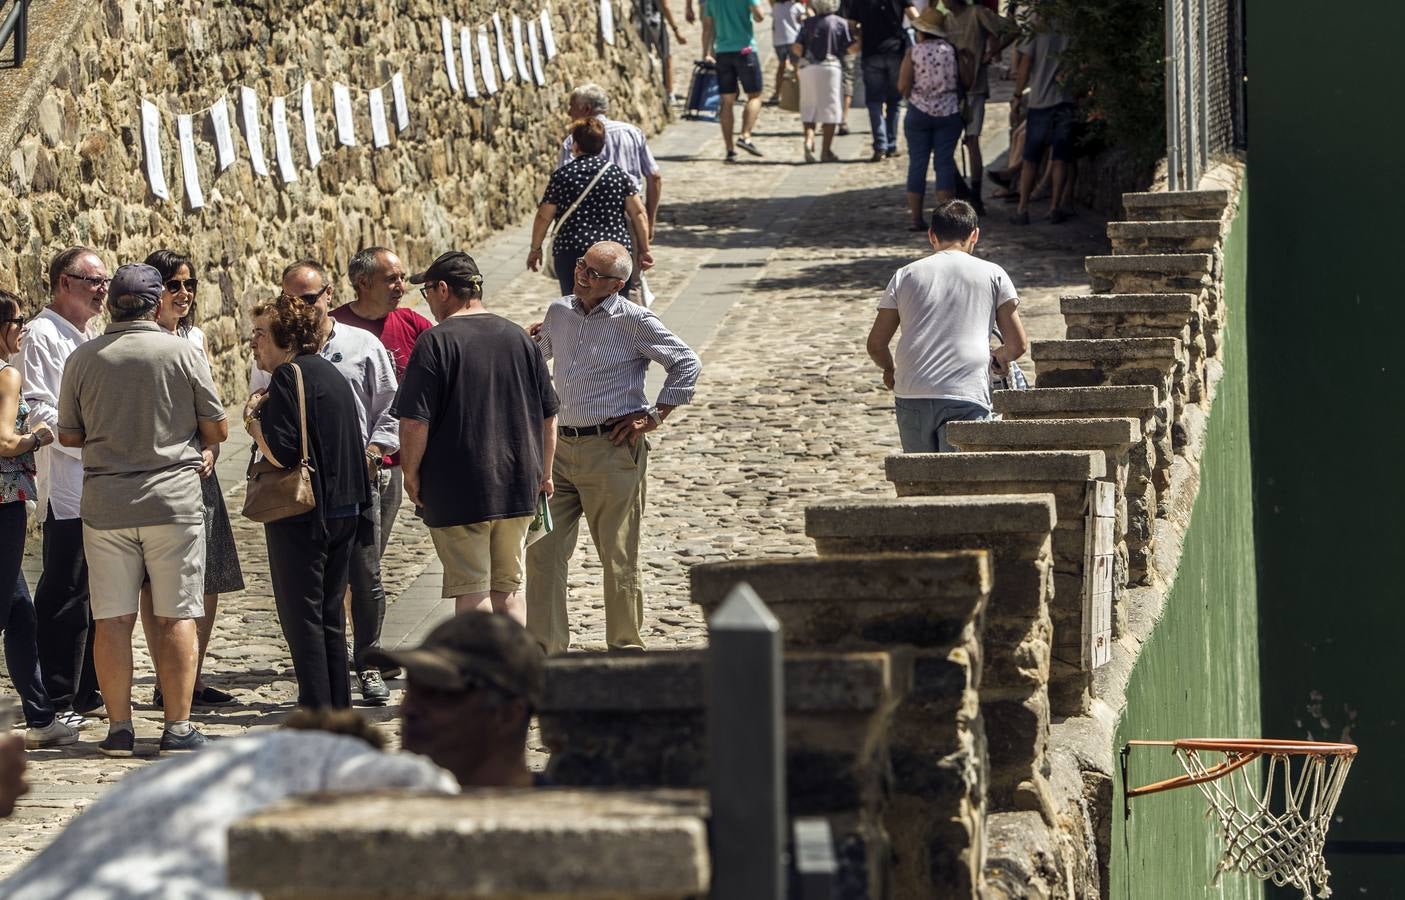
pixel 397 331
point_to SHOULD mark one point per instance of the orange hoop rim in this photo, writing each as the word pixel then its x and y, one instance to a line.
pixel 1241 752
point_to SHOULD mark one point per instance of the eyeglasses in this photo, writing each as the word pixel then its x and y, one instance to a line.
pixel 592 274
pixel 96 281
pixel 309 299
pixel 17 320
pixel 424 291
pixel 175 285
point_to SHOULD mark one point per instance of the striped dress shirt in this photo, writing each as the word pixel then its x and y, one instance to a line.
pixel 601 358
pixel 624 146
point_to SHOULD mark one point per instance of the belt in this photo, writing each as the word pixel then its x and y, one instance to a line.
pixel 587 431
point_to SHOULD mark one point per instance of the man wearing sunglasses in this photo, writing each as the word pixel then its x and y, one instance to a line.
pixel 369 369
pixel 602 345
pixel 78 283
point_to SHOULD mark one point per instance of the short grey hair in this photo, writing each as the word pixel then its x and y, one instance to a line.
pixel 131 307
pixel 365 263
pixel 825 7
pixel 621 263
pixel 593 98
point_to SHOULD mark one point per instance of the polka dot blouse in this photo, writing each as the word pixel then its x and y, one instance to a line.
pixel 601 216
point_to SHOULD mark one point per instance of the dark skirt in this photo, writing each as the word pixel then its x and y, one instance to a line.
pixel 222 572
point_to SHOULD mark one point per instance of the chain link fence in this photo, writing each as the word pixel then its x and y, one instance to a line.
pixel 1205 86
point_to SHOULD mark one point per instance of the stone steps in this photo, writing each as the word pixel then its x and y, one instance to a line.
pixel 1178 236
pixel 1151 273
pixel 1107 316
pixel 1168 206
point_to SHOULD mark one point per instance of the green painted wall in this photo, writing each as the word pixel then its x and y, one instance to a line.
pixel 1326 386
pixel 1198 675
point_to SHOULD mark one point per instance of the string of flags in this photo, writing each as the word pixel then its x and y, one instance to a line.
pixel 532 44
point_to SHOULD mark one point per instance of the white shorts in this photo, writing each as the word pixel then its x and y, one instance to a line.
pixel 172 556
pixel 822 93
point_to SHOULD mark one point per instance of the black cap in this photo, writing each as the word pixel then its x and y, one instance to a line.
pixel 455 267
pixel 471 649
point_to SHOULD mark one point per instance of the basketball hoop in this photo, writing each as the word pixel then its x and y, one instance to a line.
pixel 1273 821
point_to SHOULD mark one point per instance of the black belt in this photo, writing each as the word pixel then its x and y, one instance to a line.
pixel 589 430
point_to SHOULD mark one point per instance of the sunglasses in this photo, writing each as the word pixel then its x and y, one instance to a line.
pixel 17 320
pixel 309 299
pixel 592 274
pixel 175 285
pixel 96 281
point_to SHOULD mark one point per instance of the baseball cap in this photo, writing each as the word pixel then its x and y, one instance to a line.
pixel 455 267
pixel 134 287
pixel 470 649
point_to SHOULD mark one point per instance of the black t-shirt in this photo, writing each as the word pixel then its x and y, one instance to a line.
pixel 601 216
pixel 483 387
pixel 339 478
pixel 881 24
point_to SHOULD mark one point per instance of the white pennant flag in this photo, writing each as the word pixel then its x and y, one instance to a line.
pixel 548 39
pixel 185 131
pixel 518 54
pixel 224 138
pixel 485 61
pixel 402 108
pixel 249 103
pixel 281 144
pixel 309 126
pixel 504 61
pixel 446 35
pixel 151 136
pixel 341 102
pixel 607 21
pixel 536 52
pixel 470 83
pixel 380 135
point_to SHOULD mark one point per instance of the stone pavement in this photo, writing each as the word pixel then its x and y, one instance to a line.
pixel 770 268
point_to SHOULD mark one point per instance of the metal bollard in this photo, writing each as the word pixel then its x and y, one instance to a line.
pixel 746 750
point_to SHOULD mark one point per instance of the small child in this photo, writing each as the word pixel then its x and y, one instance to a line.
pixel 786 18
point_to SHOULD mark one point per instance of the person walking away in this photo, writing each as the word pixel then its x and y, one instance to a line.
pixel 175 313
pixel 590 199
pixel 786 18
pixel 368 369
pixel 823 41
pixel 478 436
pixel 883 36
pixel 947 305
pixel 979 35
pixel 309 555
pixel 1051 118
pixel 378 279
pixel 625 146
pixel 78 287
pixel 144 408
pixel 738 64
pixel 17 489
pixel 709 44
pixel 930 81
pixel 602 346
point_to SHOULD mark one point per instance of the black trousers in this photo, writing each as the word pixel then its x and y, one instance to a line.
pixel 308 562
pixel 64 632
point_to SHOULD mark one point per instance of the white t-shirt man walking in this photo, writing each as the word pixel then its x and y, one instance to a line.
pixel 948 305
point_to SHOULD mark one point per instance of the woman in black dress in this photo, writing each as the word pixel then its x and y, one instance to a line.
pixel 611 211
pixel 309 555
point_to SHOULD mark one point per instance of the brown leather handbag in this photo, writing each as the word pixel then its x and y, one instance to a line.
pixel 272 493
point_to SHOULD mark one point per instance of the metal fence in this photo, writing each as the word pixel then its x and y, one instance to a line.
pixel 1205 85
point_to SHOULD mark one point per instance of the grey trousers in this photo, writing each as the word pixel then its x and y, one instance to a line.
pixel 367 593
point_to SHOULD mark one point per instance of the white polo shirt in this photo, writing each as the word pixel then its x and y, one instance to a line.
pixel 48 341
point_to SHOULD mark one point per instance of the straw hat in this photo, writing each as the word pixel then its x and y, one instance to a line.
pixel 932 21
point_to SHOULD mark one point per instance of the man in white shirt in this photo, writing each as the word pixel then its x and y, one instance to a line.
pixel 368 368
pixel 625 146
pixel 78 283
pixel 948 305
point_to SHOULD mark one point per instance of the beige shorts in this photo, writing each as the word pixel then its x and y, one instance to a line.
pixel 484 556
pixel 120 559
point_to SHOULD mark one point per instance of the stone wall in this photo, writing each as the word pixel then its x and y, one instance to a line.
pixel 462 168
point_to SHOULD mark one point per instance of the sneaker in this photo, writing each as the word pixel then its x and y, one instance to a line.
pixel 182 743
pixel 208 696
pixel 876 157
pixel 748 146
pixel 373 689
pixel 96 712
pixel 72 719
pixel 55 734
pixel 119 743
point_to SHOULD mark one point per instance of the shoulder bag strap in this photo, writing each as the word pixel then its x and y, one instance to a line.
pixel 302 412
pixel 585 193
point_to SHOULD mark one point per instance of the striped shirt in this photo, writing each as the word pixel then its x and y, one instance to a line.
pixel 601 358
pixel 625 147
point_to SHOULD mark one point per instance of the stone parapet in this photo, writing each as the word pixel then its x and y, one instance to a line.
pixel 1178 236
pixel 526 844
pixel 1157 361
pixel 1016 529
pixel 1166 206
pixel 1111 316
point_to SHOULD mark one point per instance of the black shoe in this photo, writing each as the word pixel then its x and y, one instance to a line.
pixel 748 146
pixel 157 701
pixel 373 689
pixel 182 743
pixel 843 130
pixel 892 153
pixel 731 156
pixel 208 696
pixel 876 157
pixel 118 743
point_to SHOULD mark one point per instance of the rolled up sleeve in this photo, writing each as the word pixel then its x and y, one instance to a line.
pixel 681 364
pixel 380 388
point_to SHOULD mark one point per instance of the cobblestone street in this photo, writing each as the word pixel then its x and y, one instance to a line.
pixel 771 268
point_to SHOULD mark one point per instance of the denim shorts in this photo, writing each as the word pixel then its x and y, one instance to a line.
pixel 739 67
pixel 1050 127
pixel 922 422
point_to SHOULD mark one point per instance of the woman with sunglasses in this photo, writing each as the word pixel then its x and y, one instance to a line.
pixel 17 470
pixel 222 572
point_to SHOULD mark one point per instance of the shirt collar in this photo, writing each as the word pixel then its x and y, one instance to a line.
pixel 63 324
pixel 610 304
pixel 135 325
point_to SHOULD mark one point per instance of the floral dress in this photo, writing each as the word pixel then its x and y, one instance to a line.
pixel 17 472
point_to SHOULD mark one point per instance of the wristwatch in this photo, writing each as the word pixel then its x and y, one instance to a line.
pixel 654 414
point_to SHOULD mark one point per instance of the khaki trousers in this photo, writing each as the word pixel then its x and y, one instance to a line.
pixel 606 484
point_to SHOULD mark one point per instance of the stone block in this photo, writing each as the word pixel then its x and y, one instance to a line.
pixel 1179 236
pixel 1176 205
pixel 485 843
pixel 1107 401
pixel 911 524
pixel 1150 273
pixel 1035 466
pixel 1110 435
